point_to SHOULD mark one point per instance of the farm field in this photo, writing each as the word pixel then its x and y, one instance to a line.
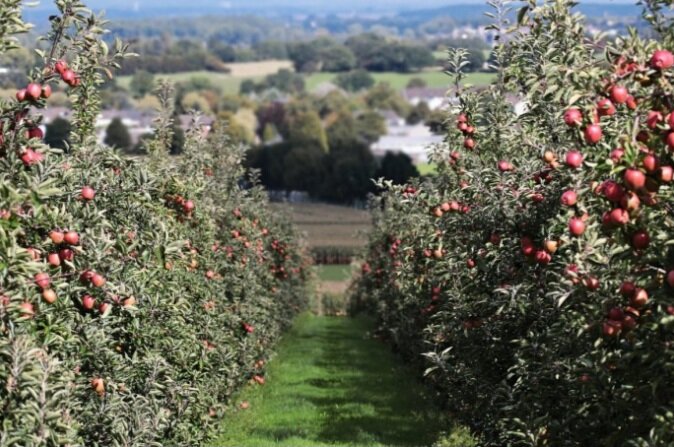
pixel 329 225
pixel 229 83
pixel 398 81
pixel 333 384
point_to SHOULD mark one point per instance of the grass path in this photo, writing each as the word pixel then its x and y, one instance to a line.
pixel 333 385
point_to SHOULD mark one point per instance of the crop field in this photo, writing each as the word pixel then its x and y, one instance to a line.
pixel 434 78
pixel 329 225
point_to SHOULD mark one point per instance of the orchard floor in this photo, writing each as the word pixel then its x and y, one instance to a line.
pixel 332 384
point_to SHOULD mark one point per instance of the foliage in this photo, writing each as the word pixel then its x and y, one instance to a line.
pixel 58 133
pixel 543 317
pixel 354 81
pixel 135 296
pixel 117 135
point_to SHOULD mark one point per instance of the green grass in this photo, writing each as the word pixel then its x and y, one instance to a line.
pixel 333 272
pixel 399 80
pixel 333 385
pixel 427 168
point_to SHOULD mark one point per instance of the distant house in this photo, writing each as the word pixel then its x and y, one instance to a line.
pixel 137 122
pixel 436 98
pixel 411 140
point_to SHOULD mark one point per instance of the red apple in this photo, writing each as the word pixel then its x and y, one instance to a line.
pixel 573 117
pixel 593 133
pixel 612 191
pixel 670 278
pixel 54 259
pixel 49 296
pixel 42 280
pixel 634 179
pixel 617 154
pixel 66 254
pixel 71 238
pixel 619 94
pixel 569 198
pixel 88 193
pixel 97 280
pixel 605 107
pixel 60 67
pixel 619 216
pixel 504 166
pixel 469 143
pixel 56 236
pixel 650 163
pixel 627 289
pixel 631 103
pixel 27 309
pixel 662 59
pixel 665 174
pixel 33 91
pixel 576 226
pixel 639 298
pixel 641 240
pixel 591 283
pixel 616 314
pixel 88 302
pixel 653 119
pixel 574 159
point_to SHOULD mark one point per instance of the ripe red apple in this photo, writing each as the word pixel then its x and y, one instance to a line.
pixel 630 201
pixel 617 154
pixel 573 117
pixel 98 385
pixel 56 236
pixel 469 143
pixel 593 133
pixel 60 67
pixel 88 193
pixel 88 302
pixel 574 159
pixel 34 253
pixel 49 296
pixel 54 259
pixel 662 59
pixel 504 166
pixel 71 238
pixel 470 263
pixel 611 328
pixel 542 257
pixel 103 307
pixel 66 254
pixel 569 198
pixel 641 240
pixel 612 191
pixel 591 283
pixel 634 179
pixel 665 174
pixel 639 298
pixel 21 95
pixel 46 91
pixel 97 280
pixel 631 103
pixel 210 274
pixel 68 76
pixel 670 121
pixel 605 107
pixel 653 119
pixel 42 280
pixel 33 91
pixel 576 226
pixel 616 314
pixel 188 207
pixel 35 132
pixel 650 163
pixel 129 302
pixel 627 289
pixel 619 216
pixel 27 309
pixel 619 94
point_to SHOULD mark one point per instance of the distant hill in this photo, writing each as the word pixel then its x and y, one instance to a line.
pixel 460 9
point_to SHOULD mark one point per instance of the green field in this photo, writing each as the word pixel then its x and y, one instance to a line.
pixel 333 384
pixel 333 272
pixel 399 80
pixel 229 83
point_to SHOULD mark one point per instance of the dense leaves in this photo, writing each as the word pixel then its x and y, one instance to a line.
pixel 135 296
pixel 534 272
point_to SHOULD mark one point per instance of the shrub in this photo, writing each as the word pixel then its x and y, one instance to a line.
pixel 135 296
pixel 543 319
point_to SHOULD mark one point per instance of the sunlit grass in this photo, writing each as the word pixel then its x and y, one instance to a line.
pixel 332 384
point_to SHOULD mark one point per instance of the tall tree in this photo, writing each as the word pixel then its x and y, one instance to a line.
pixel 117 135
